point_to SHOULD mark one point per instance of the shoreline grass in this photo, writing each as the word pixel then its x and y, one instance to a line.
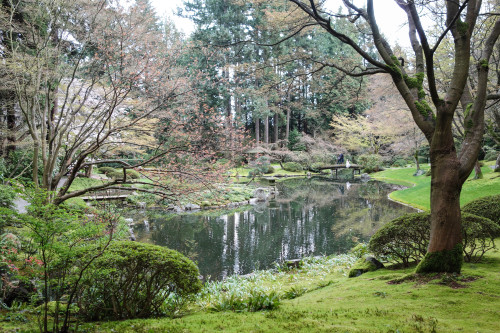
pixel 418 193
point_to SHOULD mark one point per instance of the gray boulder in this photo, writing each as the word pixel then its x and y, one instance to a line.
pixel 419 173
pixel 191 206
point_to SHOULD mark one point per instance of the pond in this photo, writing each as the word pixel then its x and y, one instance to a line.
pixel 309 217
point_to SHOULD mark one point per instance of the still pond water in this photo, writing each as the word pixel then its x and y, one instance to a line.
pixel 309 217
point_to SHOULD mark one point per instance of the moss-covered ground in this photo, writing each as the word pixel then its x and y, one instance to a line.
pixel 381 301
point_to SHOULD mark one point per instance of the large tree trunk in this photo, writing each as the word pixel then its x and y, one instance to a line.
pixel 257 131
pixel 445 246
pixel 266 130
pixel 276 128
pixel 288 116
pixel 416 159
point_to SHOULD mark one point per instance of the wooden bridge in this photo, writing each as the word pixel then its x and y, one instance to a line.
pixel 107 195
pixel 336 167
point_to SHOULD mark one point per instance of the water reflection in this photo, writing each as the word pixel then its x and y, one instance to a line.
pixel 309 217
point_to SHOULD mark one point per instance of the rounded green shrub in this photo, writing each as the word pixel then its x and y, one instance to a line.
pixel 106 170
pixel 491 155
pixel 404 239
pixel 133 174
pixel 136 280
pixel 478 236
pixel 292 167
pixel 270 169
pixel 399 163
pixel 488 207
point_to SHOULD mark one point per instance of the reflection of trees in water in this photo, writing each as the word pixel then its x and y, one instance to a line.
pixel 310 217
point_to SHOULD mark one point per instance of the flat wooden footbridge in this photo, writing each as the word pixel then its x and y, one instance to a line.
pixel 337 167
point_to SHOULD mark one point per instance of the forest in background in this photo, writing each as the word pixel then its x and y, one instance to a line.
pixel 252 73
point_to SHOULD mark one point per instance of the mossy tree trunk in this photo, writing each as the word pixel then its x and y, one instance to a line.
pixel 477 170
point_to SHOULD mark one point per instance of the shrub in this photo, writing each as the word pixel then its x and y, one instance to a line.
pixel 399 163
pixel 404 239
pixel 322 156
pixel 488 207
pixel 316 167
pixel 132 174
pixel 491 155
pixel 478 236
pixel 106 170
pixel 270 169
pixel 136 280
pixel 7 196
pixel 371 163
pixel 292 166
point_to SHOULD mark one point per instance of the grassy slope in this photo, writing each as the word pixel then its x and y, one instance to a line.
pixel 418 195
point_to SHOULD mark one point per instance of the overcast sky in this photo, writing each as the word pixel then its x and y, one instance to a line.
pixel 389 17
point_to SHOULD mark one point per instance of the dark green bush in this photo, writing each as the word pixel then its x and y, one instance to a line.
pixel 404 239
pixel 116 174
pixel 488 207
pixel 399 163
pixel 133 174
pixel 106 170
pixel 136 280
pixel 292 167
pixel 7 196
pixel 491 155
pixel 478 236
pixel 316 167
pixel 270 169
pixel 370 163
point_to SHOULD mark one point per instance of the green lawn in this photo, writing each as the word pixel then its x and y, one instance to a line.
pixel 418 193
